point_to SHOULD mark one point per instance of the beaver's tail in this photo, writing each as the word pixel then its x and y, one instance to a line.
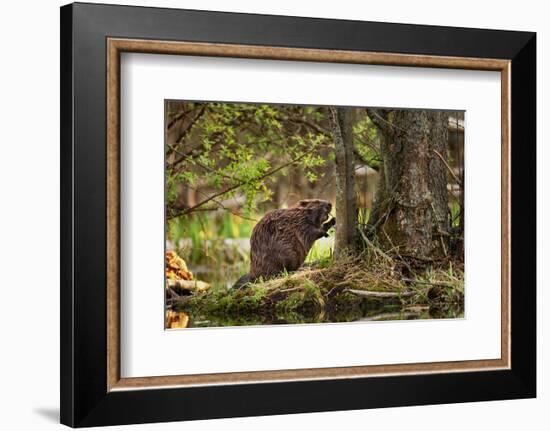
pixel 243 281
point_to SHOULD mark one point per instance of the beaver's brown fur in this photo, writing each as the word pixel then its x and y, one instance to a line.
pixel 282 238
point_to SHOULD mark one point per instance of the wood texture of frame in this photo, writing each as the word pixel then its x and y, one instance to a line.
pixel 92 38
pixel 117 46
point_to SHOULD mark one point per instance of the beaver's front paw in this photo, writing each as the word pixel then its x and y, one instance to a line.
pixel 329 224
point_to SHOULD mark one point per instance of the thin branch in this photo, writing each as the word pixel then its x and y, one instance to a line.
pixel 176 118
pixel 318 129
pixel 448 167
pixel 367 162
pixel 234 187
pixel 376 249
pixel 185 132
pixel 230 210
pixel 369 144
pixel 376 294
pixel 383 125
pixel 191 124
pixel 430 283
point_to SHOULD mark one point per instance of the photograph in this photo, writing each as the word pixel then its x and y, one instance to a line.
pixel 277 214
pixel 292 214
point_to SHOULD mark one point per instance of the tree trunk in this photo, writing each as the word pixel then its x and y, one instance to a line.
pixel 344 171
pixel 410 212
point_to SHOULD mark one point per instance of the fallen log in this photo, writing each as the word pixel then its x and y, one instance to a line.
pixel 376 294
pixel 188 285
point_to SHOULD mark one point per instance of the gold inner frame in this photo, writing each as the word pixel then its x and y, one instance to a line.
pixel 116 46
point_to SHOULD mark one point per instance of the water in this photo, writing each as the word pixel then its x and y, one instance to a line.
pixel 181 319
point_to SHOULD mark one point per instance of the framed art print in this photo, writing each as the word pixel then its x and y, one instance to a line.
pixel 260 211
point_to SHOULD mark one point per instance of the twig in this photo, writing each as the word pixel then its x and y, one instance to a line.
pixel 176 118
pixel 440 234
pixel 320 130
pixel 380 122
pixel 368 163
pixel 431 283
pixel 180 138
pixel 376 294
pixel 375 248
pixel 225 208
pixel 448 167
pixel 370 145
pixel 233 187
pixel 172 293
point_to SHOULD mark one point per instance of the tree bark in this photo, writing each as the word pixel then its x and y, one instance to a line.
pixel 410 212
pixel 344 171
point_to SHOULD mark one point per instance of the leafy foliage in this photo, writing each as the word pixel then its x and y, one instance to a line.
pixel 235 148
pixel 366 142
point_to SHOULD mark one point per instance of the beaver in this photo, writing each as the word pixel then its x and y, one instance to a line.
pixel 282 238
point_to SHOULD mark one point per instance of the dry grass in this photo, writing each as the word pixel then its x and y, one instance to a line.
pixel 350 282
pixel 374 270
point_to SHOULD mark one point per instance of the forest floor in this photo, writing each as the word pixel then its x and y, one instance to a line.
pixel 372 285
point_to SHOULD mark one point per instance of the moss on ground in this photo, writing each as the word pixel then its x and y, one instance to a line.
pixel 329 292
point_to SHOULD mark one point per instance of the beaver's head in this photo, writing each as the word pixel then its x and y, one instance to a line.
pixel 318 209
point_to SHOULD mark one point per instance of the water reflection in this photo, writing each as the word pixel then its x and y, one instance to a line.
pixel 183 319
pixel 176 319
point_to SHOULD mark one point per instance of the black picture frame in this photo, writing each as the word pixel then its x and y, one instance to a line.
pixel 85 400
